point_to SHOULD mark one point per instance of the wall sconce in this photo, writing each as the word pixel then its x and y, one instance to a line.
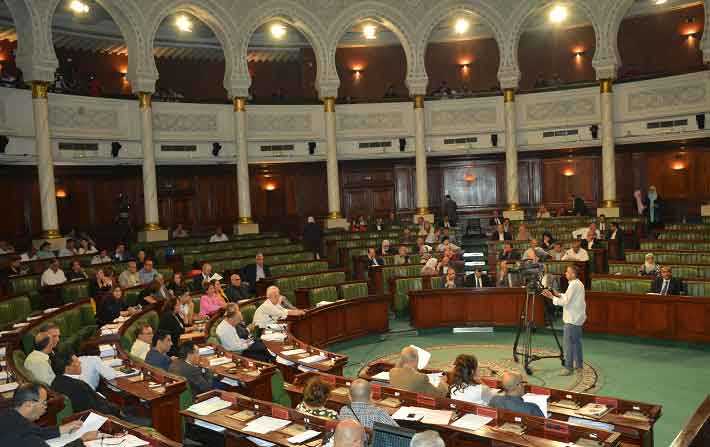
pixel 578 53
pixel 357 73
pixel 270 186
pixel 679 162
pixel 568 172
pixel 61 193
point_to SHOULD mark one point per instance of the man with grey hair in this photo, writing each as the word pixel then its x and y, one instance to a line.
pixel 428 438
pixel 349 433
pixel 406 376
pixel 512 400
pixel 272 310
pixel 361 408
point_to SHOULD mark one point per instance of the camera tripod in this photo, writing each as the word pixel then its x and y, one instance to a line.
pixel 526 327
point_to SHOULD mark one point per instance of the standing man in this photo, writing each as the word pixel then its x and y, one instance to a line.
pixel 450 208
pixel 574 314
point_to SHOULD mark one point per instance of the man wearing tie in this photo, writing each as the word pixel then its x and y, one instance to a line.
pixel 666 284
pixel 500 234
pixel 478 280
pixel 372 259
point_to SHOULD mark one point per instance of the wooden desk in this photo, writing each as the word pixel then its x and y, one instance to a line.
pixel 696 432
pixel 115 426
pixel 234 429
pixel 333 363
pixel 342 320
pixel 538 431
pixel 633 420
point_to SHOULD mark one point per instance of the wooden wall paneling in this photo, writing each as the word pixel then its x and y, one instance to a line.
pixel 435 188
pixel 404 188
pixel 481 192
pixel 586 182
pixel 382 200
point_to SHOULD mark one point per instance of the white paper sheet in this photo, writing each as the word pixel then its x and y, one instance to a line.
pixel 229 381
pixel 283 361
pixel 8 387
pixel 423 357
pixel 123 441
pixel 313 359
pixel 220 361
pixel 208 426
pixel 274 336
pixel 425 415
pixel 266 424
pixel 209 406
pixel 260 442
pixel 206 350
pixel 435 378
pixel 294 352
pixel 471 421
pixel 303 437
pixel 93 422
pixel 538 399
pixel 384 375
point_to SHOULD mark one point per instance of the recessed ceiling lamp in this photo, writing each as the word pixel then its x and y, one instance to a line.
pixel 369 31
pixel 659 2
pixel 184 24
pixel 79 7
pixel 278 30
pixel 461 26
pixel 558 14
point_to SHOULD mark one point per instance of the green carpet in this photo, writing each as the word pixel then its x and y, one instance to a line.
pixel 673 375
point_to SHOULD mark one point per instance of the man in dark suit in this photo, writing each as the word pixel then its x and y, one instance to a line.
pixel 184 365
pixel 500 234
pixel 237 289
pixel 254 272
pixel 67 368
pixel 157 356
pixel 512 399
pixel 406 376
pixel 666 284
pixel 508 254
pixel 372 259
pixel 478 280
pixel 496 219
pixel 578 207
pixel 590 242
pixel 450 208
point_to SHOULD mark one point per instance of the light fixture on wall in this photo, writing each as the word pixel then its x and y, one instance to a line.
pixel 369 31
pixel 461 25
pixel 680 162
pixel 578 52
pixel 270 186
pixel 278 31
pixel 569 171
pixel 469 175
pixel 357 72
pixel 78 7
pixel 183 24
pixel 558 14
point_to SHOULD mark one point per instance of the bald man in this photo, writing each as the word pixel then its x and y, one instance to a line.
pixel 38 362
pixel 349 433
pixel 272 310
pixel 361 408
pixel 428 438
pixel 512 399
pixel 406 376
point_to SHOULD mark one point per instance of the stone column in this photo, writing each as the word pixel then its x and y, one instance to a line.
pixel 420 161
pixel 513 211
pixel 45 167
pixel 335 218
pixel 151 230
pixel 610 208
pixel 246 225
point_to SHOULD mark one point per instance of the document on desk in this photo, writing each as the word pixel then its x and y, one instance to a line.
pixel 121 440
pixel 274 336
pixel 538 399
pixel 93 422
pixel 4 388
pixel 220 361
pixel 260 442
pixel 294 352
pixel 423 357
pixel 435 378
pixel 209 406
pixel 425 415
pixel 206 350
pixel 313 359
pixel 471 421
pixel 384 375
pixel 303 437
pixel 266 424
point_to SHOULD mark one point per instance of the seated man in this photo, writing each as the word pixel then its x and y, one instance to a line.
pixel 76 273
pixel 187 365
pixel 205 276
pixel 67 368
pixel 141 345
pixel 236 290
pixel 254 272
pixel 349 433
pixel 37 362
pixel 500 234
pixel 45 251
pixel 372 259
pixel 556 253
pixel 478 280
pixel 120 254
pixel 101 258
pixel 53 275
pixel 234 335
pixel 590 241
pixel 219 235
pixel 446 244
pixel 157 356
pixel 272 310
pixel 666 284
pixel 576 253
pixel 429 438
pixel 147 274
pixel 361 407
pixel 29 403
pixel 129 277
pixel 508 254
pixel 512 400
pixel 68 249
pixel 406 376
pixel 534 251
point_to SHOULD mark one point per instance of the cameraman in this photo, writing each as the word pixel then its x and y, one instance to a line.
pixel 573 315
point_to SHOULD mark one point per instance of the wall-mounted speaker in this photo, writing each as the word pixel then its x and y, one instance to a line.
pixel 216 148
pixel 311 147
pixel 494 140
pixel 115 149
pixel 402 144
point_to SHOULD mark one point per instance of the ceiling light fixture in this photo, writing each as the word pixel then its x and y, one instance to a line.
pixel 558 14
pixel 369 31
pixel 278 30
pixel 659 2
pixel 183 24
pixel 79 7
pixel 461 26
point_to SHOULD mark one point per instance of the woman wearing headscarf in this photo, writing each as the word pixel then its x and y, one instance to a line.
pixel 649 267
pixel 652 202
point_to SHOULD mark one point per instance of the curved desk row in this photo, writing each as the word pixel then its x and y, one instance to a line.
pixel 683 318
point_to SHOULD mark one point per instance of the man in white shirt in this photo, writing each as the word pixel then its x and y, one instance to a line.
pixel 219 236
pixel 37 362
pixel 53 275
pixel 271 310
pixel 574 314
pixel 101 258
pixel 534 251
pixel 227 331
pixel 129 278
pixel 446 243
pixel 141 345
pixel 576 253
pixel 556 253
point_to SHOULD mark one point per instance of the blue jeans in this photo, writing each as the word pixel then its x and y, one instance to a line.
pixel 572 340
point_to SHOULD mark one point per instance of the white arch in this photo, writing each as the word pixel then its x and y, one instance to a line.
pixel 35 53
pixel 209 12
pixel 390 17
pixel 295 15
pixel 443 10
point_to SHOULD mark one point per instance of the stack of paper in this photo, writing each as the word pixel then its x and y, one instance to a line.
pixel 423 357
pixel 274 336
pixel 206 350
pixel 471 421
pixel 425 415
pixel 384 376
pixel 93 422
pixel 283 361
pixel 111 362
pixel 4 388
pixel 266 424
pixel 209 406
pixel 313 359
pixel 220 361
pixel 107 351
pixel 303 437
pixel 230 382
pixel 294 352
pixel 538 399
pixel 122 440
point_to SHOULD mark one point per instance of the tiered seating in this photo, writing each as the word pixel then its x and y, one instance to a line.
pixel 14 310
pixel 311 296
pixel 401 285
pixel 683 271
pixel 288 284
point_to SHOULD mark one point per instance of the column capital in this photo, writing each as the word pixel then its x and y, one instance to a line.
pixel 418 101
pixel 328 88
pixel 240 104
pixel 329 104
pixel 509 95
pixel 509 78
pixel 606 85
pixel 417 84
pixel 145 100
pixel 39 89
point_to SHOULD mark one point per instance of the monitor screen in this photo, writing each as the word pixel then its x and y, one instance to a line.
pixel 390 436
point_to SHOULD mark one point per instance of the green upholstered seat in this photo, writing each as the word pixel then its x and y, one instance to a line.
pixel 72 293
pixel 353 290
pixel 14 310
pixel 23 284
pixel 18 358
pixel 131 295
pixel 278 392
pixel 248 313
pixel 437 282
pixel 698 288
pixel 299 267
pixel 401 289
pixel 327 293
pixel 398 270
pixel 66 411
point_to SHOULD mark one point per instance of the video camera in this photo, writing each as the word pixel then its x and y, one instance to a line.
pixel 531 274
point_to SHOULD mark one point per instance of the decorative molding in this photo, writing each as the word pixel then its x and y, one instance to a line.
pixel 81 117
pixel 364 121
pixel 661 98
pixel 262 122
pixel 569 108
pixel 469 117
pixel 174 122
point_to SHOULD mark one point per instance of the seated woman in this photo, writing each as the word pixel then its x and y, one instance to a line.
pixel 187 307
pixel 402 256
pixel 172 323
pixel 649 267
pixel 211 301
pixel 113 307
pixel 450 279
pixel 315 395
pixel 547 241
pixel 542 212
pixel 102 283
pixel 176 285
pixel 464 383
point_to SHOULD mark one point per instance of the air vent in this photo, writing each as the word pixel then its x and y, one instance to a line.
pixel 277 148
pixel 374 144
pixel 178 148
pixel 664 124
pixel 78 146
pixel 464 140
pixel 560 133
